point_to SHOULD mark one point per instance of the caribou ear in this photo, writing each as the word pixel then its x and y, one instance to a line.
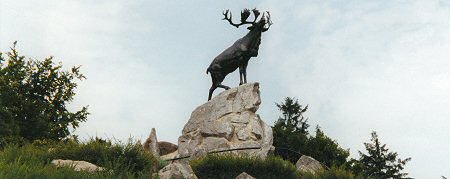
pixel 250 27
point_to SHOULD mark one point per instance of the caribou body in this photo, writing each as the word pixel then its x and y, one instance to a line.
pixel 238 54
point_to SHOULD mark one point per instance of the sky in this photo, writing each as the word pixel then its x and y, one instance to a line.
pixel 360 65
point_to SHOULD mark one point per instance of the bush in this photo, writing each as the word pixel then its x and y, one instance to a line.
pixel 333 173
pixel 230 165
pixel 124 160
pixel 34 98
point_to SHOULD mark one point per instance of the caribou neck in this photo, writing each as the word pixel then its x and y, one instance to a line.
pixel 251 39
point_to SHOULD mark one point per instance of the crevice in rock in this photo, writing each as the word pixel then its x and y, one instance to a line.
pixel 232 95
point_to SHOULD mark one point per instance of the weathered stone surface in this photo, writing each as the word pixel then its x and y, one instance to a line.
pixel 78 165
pixel 244 175
pixel 166 148
pixel 177 170
pixel 308 164
pixel 170 156
pixel 218 129
pixel 228 121
pixel 151 144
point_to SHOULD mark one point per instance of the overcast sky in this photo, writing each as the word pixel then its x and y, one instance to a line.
pixel 360 65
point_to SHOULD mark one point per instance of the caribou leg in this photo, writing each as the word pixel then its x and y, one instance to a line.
pixel 213 87
pixel 245 76
pixel 241 73
pixel 223 86
pixel 211 90
pixel 245 71
pixel 216 79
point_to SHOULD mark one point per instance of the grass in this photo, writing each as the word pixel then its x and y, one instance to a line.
pixel 231 165
pixel 332 173
pixel 123 160
pixel 129 160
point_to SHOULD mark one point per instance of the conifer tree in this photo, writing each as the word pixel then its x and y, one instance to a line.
pixel 379 162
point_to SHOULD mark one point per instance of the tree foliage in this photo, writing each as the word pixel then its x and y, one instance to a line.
pixel 292 119
pixel 326 150
pixel 33 98
pixel 290 130
pixel 291 137
pixel 379 162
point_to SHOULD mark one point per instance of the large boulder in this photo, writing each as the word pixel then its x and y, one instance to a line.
pixel 166 148
pixel 308 164
pixel 228 121
pixel 77 165
pixel 177 170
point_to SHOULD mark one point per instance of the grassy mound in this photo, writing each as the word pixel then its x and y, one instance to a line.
pixel 332 173
pixel 229 166
pixel 123 160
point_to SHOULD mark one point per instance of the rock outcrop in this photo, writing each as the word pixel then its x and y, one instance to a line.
pixel 308 164
pixel 151 144
pixel 228 121
pixel 78 165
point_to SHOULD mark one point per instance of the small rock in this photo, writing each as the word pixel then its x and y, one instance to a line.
pixel 78 165
pixel 244 175
pixel 308 164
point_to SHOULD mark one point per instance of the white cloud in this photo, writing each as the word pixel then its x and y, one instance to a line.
pixel 371 66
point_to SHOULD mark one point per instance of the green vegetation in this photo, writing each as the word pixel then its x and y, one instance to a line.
pixel 290 134
pixel 379 163
pixel 123 160
pixel 333 173
pixel 229 166
pixel 33 99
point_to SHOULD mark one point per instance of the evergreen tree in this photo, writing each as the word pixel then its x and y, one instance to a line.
pixel 290 130
pixel 33 99
pixel 291 137
pixel 292 119
pixel 379 163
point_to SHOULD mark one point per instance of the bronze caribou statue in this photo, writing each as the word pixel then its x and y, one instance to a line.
pixel 240 52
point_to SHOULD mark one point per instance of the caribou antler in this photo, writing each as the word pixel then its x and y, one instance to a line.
pixel 269 22
pixel 256 13
pixel 244 16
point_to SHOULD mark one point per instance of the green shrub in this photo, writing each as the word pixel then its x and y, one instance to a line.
pixel 11 140
pixel 229 166
pixel 118 157
pixel 333 173
pixel 124 160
